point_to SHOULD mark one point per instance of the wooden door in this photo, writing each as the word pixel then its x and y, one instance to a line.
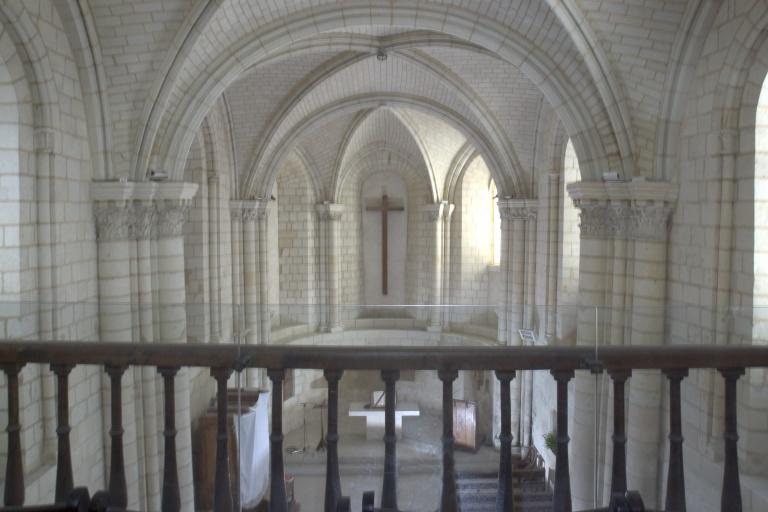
pixel 465 424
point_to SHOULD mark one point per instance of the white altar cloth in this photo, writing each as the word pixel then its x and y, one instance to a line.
pixel 374 418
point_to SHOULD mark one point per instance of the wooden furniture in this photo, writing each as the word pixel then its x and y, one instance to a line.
pixel 562 363
pixel 465 424
pixel 204 447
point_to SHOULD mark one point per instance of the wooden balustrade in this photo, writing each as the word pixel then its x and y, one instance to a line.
pixel 562 362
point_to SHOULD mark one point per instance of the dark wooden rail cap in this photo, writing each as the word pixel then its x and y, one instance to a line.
pixel 383 358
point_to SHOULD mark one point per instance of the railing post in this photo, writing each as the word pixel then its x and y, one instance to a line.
pixel 118 489
pixel 14 472
pixel 731 497
pixel 562 498
pixel 332 480
pixel 277 498
pixel 619 465
pixel 222 491
pixel 171 499
pixel 675 475
pixel 64 484
pixel 448 500
pixel 389 487
pixel 505 498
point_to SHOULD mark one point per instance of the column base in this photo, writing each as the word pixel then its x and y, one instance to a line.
pixel 434 328
pixel 336 328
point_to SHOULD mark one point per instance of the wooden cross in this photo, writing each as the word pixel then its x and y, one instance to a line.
pixel 384 206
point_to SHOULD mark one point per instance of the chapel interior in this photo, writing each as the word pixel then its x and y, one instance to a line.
pixel 487 255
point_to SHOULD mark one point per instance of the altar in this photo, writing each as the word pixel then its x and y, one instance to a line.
pixel 374 418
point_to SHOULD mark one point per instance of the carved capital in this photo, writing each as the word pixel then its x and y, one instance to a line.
pixel 329 212
pixel 114 220
pixel 649 220
pixel 170 218
pixel 603 219
pixel 517 209
pixel 144 217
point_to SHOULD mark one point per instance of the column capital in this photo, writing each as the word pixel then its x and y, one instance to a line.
pixel 248 211
pixel 636 210
pixel 448 211
pixel 330 211
pixel 521 209
pixel 434 212
pixel 133 210
pixel 44 140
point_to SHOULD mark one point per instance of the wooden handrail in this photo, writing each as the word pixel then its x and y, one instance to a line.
pixel 384 358
pixel 562 362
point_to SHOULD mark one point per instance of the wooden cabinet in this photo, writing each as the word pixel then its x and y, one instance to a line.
pixel 465 424
pixel 204 449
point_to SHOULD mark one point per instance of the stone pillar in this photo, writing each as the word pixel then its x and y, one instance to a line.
pixel 214 246
pixel 114 236
pixel 515 215
pixel 247 212
pixel 238 316
pixel 623 226
pixel 553 233
pixel 648 227
pixel 145 217
pixel 330 215
pixel 446 298
pixel 262 216
pixel 173 325
pixel 434 217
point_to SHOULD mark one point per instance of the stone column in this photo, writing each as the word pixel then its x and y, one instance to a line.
pixel 214 246
pixel 173 324
pixel 238 316
pixel 648 228
pixel 514 214
pixel 553 233
pixel 144 220
pixel 446 277
pixel 114 236
pixel 262 216
pixel 247 212
pixel 623 226
pixel 330 215
pixel 434 218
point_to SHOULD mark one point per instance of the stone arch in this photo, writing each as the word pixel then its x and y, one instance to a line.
pixel 371 101
pixel 348 151
pixel 497 140
pixel 609 150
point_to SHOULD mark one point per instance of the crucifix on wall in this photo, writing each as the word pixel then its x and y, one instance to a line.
pixel 385 205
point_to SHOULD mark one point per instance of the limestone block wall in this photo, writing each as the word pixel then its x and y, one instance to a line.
pixel 48 239
pixel 713 277
pixel 297 245
pixel 472 232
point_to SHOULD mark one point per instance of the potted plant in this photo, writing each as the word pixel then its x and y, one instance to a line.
pixel 550 441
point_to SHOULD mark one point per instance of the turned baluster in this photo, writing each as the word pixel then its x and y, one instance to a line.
pixel 448 500
pixel 731 497
pixel 619 466
pixel 118 489
pixel 14 472
pixel 332 479
pixel 504 497
pixel 64 484
pixel 389 487
pixel 171 498
pixel 222 494
pixel 675 475
pixel 277 496
pixel 562 498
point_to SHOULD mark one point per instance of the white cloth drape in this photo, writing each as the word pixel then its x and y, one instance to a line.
pixel 253 443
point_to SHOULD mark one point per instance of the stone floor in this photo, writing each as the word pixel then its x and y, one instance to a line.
pixel 361 463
